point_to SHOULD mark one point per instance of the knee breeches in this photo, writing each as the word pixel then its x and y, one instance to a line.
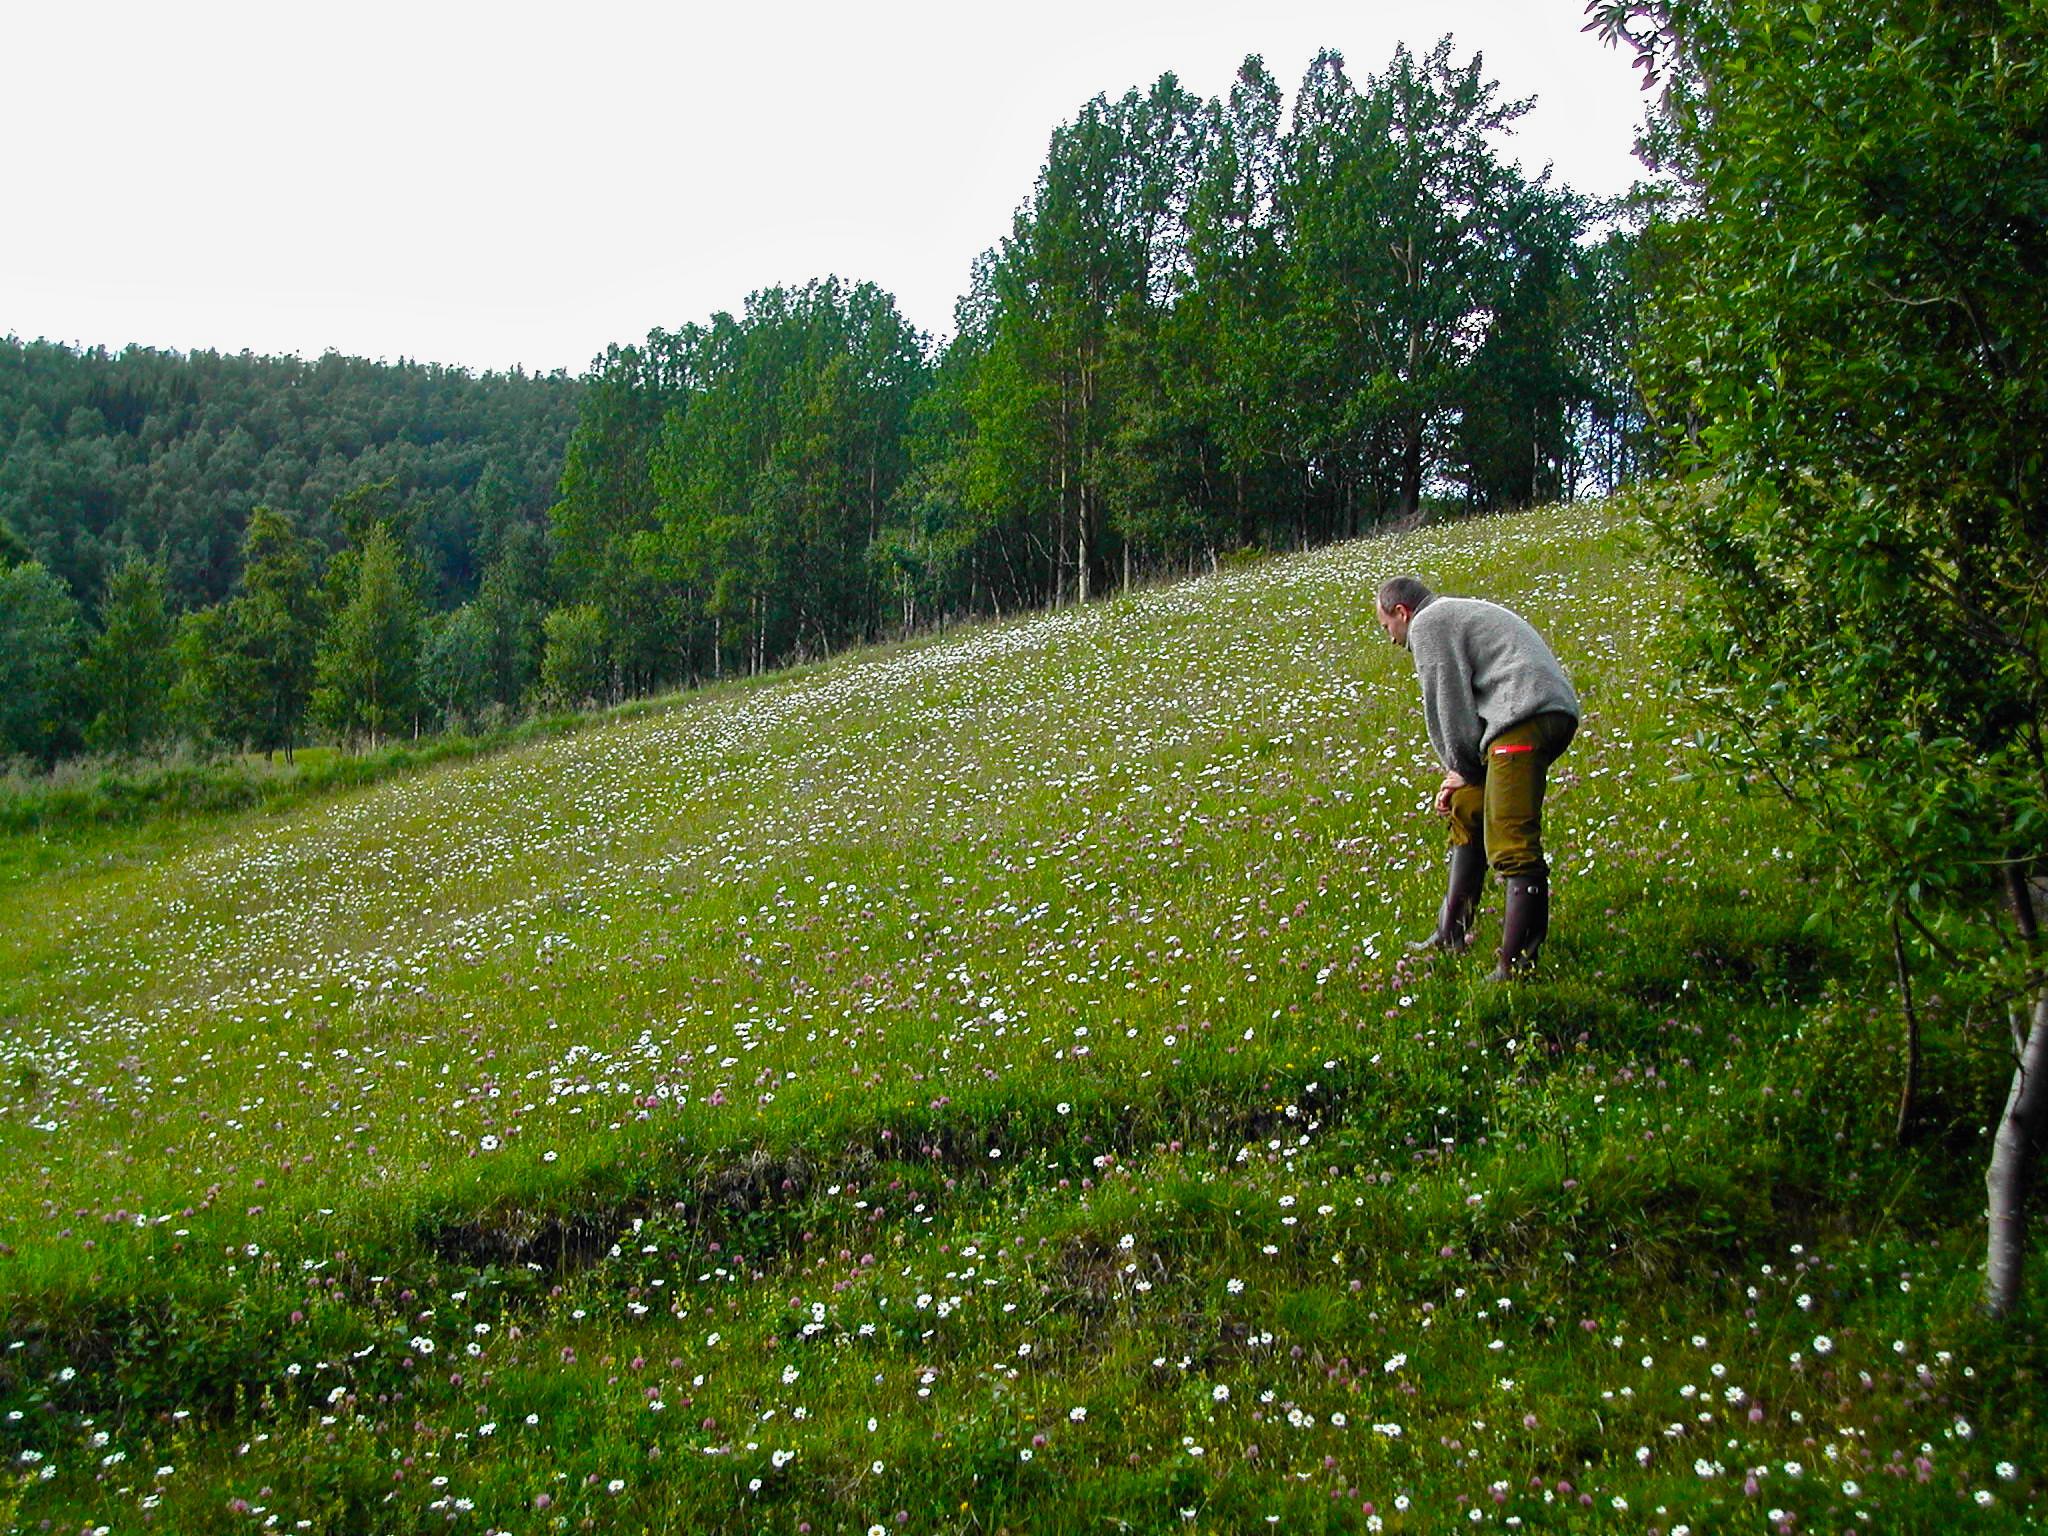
pixel 1505 813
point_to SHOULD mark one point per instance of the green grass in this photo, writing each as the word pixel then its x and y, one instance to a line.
pixel 979 1085
pixel 90 811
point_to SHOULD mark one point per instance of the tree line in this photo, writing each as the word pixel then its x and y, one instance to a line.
pixel 1214 325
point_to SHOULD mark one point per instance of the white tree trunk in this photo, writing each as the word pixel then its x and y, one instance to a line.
pixel 2020 1132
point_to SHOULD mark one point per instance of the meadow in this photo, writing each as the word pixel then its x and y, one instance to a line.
pixel 979 1085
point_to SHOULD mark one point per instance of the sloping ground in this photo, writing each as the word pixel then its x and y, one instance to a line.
pixel 973 1085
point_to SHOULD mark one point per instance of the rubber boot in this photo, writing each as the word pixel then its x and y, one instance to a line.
pixel 1461 901
pixel 1524 926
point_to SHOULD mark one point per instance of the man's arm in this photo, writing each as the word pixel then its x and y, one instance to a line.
pixel 1448 709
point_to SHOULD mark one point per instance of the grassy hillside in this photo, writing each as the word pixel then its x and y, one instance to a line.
pixel 979 1086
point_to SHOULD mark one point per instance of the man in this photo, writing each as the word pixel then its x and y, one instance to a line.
pixel 1499 710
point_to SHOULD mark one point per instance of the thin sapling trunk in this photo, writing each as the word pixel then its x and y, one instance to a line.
pixel 2021 1127
pixel 2013 1154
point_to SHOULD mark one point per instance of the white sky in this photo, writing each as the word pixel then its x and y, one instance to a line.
pixel 498 184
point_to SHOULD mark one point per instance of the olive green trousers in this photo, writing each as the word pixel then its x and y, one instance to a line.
pixel 1505 813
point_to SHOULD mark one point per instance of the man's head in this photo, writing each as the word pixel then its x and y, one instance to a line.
pixel 1399 600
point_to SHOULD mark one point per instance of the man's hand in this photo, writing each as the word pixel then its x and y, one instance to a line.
pixel 1452 780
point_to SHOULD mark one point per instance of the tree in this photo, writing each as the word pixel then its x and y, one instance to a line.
pixel 39 635
pixel 273 630
pixel 1229 362
pixel 1609 437
pixel 202 704
pixel 367 674
pixel 372 504
pixel 574 666
pixel 606 509
pixel 511 605
pixel 1411 321
pixel 129 668
pixel 773 483
pixel 456 671
pixel 1522 393
pixel 945 549
pixel 1100 248
pixel 1847 357
pixel 1424 214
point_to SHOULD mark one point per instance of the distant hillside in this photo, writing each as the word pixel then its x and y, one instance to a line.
pixel 165 453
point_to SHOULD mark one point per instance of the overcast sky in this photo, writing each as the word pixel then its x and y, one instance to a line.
pixel 499 184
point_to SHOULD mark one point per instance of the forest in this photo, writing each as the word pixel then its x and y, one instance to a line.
pixel 1221 325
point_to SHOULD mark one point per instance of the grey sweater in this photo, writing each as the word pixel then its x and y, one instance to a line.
pixel 1483 668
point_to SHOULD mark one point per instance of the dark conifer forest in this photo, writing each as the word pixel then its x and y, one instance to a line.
pixel 1214 326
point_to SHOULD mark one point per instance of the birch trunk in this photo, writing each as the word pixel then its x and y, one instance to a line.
pixel 1909 1089
pixel 2013 1154
pixel 1059 580
pixel 1085 510
pixel 2021 1128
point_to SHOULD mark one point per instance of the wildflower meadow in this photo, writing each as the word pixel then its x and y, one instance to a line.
pixel 980 1085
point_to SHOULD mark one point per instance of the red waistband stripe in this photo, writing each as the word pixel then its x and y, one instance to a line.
pixel 1524 747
